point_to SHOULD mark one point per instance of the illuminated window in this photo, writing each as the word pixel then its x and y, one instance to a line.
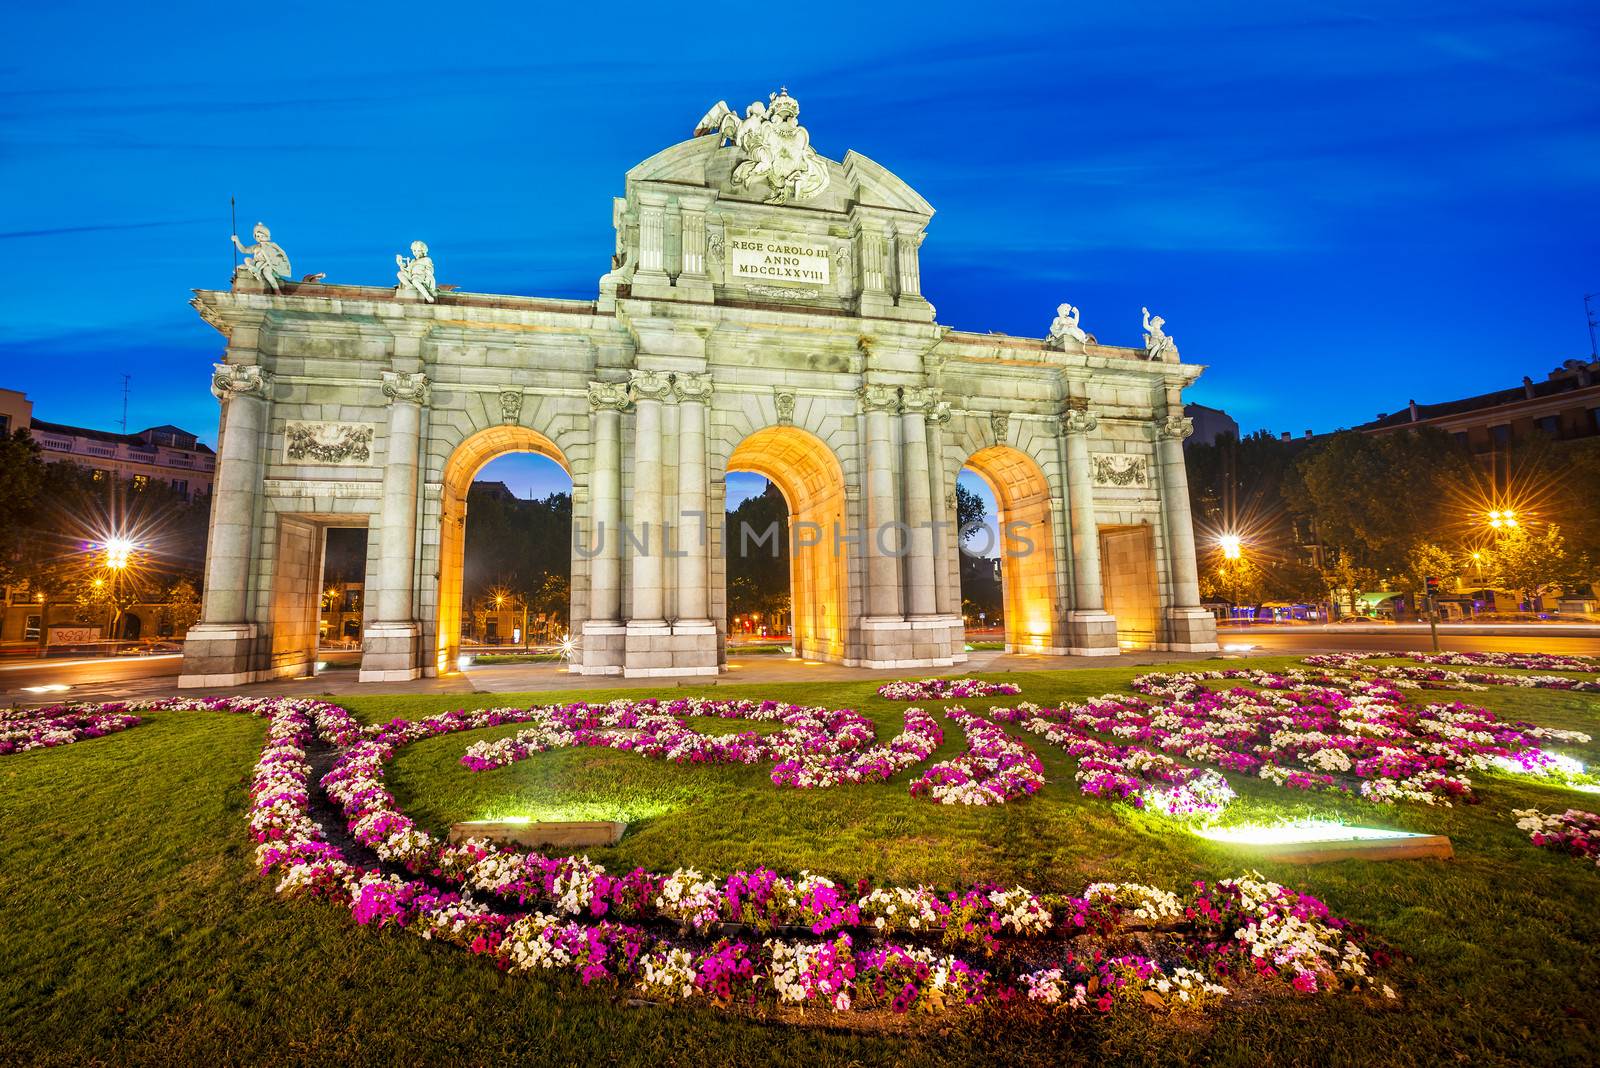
pixel 30 629
pixel 140 481
pixel 100 474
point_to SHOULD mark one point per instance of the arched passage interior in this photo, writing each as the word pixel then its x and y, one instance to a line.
pixel 460 470
pixel 1026 545
pixel 812 483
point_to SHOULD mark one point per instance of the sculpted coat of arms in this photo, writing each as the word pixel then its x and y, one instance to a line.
pixel 777 157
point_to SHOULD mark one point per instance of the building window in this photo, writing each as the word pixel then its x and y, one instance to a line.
pixel 30 628
pixel 181 486
pixel 5 424
pixel 1550 425
pixel 1501 435
pixel 140 481
pixel 1462 439
pixel 1594 420
pixel 100 474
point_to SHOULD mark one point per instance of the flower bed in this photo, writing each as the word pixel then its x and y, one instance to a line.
pixel 945 689
pixel 1301 731
pixel 1573 831
pixel 686 936
pixel 659 730
pixel 22 729
pixel 1515 661
pixel 994 769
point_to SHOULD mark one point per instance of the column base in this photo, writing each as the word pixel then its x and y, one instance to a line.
pixel 391 652
pixel 1091 633
pixel 687 647
pixel 919 642
pixel 1190 630
pixel 600 648
pixel 220 654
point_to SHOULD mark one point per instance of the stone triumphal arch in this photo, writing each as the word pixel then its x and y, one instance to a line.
pixel 763 312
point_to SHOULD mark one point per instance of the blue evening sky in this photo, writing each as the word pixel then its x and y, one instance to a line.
pixel 1336 206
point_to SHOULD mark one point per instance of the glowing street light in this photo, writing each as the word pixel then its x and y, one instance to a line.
pixel 118 553
pixel 1232 546
pixel 1503 520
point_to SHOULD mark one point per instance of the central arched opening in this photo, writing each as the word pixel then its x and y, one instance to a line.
pixel 507 585
pixel 1022 540
pixel 809 478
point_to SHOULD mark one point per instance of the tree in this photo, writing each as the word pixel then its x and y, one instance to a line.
pixel 1534 564
pixel 182 609
pixel 1237 582
pixel 1427 560
pixel 1344 581
pixel 970 512
pixel 1375 497
pixel 756 540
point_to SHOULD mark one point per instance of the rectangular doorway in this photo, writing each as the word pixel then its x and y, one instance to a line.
pixel 1128 578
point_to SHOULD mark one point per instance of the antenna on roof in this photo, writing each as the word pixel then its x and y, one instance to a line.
pixel 1589 314
pixel 125 379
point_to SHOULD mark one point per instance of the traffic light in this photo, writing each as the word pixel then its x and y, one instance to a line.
pixel 1433 585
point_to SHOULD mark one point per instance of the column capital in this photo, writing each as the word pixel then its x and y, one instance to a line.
pixel 939 415
pixel 691 387
pixel 608 396
pixel 408 386
pixel 1078 421
pixel 1175 426
pixel 876 398
pixel 230 380
pixel 918 400
pixel 649 385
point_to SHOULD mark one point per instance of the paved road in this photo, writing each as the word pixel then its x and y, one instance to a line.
pixel 127 677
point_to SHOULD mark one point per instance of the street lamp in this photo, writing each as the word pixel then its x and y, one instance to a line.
pixel 1503 520
pixel 1232 546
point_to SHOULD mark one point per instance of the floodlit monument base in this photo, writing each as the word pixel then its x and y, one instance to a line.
pixel 763 313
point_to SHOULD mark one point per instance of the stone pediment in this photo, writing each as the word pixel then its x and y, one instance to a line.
pixel 877 186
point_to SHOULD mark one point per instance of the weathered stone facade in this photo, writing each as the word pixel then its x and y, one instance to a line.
pixel 826 372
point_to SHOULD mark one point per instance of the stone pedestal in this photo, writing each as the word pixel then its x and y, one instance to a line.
pixel 600 648
pixel 219 654
pixel 1091 632
pixel 391 652
pixel 1190 630
pixel 934 642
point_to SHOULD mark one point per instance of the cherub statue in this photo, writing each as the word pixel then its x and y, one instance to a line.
pixel 416 273
pixel 1157 344
pixel 1066 326
pixel 265 261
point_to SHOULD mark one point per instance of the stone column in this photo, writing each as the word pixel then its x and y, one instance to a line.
pixel 945 539
pixel 243 392
pixel 1090 630
pixel 692 525
pixel 1190 627
pixel 390 647
pixel 606 403
pixel 649 389
pixel 921 593
pixel 1185 592
pixel 883 570
pixel 220 650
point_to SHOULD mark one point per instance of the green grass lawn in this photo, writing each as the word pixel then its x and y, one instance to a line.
pixel 133 927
